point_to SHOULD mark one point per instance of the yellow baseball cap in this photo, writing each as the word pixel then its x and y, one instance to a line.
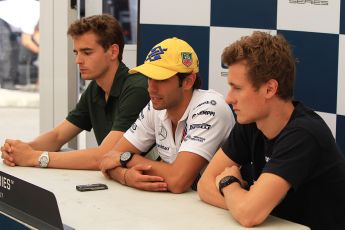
pixel 168 58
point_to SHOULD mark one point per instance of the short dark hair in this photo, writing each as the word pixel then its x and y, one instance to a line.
pixel 267 57
pixel 182 76
pixel 106 28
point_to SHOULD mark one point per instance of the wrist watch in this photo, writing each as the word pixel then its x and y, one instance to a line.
pixel 43 159
pixel 225 181
pixel 125 157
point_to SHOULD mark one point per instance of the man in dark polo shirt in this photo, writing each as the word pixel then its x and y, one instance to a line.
pixel 109 105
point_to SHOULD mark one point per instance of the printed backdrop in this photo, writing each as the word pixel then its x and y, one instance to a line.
pixel 315 28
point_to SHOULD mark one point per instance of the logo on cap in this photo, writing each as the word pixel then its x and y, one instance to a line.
pixel 187 58
pixel 155 53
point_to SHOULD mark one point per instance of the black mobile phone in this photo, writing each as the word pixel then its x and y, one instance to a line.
pixel 91 187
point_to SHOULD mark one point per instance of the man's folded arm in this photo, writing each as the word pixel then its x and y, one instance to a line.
pixel 207 190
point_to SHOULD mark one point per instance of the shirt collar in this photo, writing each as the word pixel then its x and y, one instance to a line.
pixel 120 78
pixel 115 91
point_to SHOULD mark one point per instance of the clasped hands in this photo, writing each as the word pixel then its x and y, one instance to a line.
pixel 16 152
pixel 136 176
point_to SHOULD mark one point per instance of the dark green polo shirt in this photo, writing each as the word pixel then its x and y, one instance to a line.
pixel 128 96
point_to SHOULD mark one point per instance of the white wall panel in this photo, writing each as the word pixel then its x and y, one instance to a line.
pixel 341 77
pixel 221 37
pixel 177 12
pixel 309 16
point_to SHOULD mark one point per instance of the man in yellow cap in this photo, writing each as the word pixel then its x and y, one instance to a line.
pixel 187 124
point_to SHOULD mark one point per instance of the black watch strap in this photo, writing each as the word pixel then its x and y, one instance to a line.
pixel 125 157
pixel 226 181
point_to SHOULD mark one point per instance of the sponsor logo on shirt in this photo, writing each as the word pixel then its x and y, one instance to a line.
pixel 163 147
pixel 212 102
pixel 133 127
pixel 195 138
pixel 204 112
pixel 267 159
pixel 162 133
pixel 141 115
pixel 200 126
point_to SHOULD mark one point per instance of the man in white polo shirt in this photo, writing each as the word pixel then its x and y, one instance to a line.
pixel 187 124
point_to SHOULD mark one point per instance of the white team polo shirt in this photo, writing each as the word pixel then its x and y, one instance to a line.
pixel 202 129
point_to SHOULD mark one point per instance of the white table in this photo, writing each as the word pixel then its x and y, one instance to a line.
pixel 121 207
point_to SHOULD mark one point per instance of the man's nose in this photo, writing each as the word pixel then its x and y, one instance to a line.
pixel 229 97
pixel 78 59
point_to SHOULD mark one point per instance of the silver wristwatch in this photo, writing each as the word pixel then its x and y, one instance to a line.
pixel 43 159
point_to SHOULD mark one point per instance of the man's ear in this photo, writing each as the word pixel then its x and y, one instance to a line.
pixel 189 81
pixel 114 51
pixel 271 87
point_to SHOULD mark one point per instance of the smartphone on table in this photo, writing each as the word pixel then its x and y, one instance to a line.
pixel 91 187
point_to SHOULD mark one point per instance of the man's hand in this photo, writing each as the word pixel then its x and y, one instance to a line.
pixel 230 171
pixel 135 177
pixel 5 155
pixel 110 161
pixel 15 152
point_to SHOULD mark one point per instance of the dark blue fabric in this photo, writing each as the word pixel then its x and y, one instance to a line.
pixel 244 14
pixel 317 68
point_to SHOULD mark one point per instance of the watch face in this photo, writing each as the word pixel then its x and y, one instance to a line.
pixel 125 156
pixel 44 161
